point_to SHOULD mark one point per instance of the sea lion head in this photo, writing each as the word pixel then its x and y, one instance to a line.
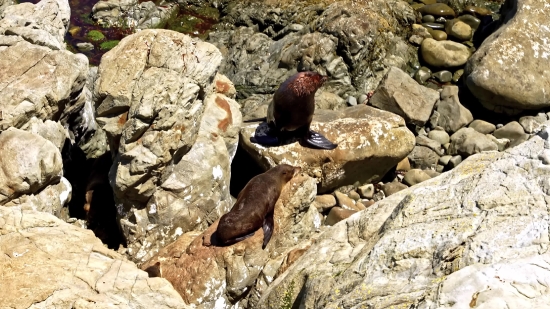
pixel 306 83
pixel 285 172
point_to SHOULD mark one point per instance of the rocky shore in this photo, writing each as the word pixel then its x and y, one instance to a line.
pixel 113 177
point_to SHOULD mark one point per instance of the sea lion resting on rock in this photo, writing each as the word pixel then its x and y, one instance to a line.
pixel 255 205
pixel 292 112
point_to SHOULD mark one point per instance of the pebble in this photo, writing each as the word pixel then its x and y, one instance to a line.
pixel 458 29
pixel 428 19
pixel 366 191
pixel 532 124
pixel 437 9
pixel 432 173
pixel 443 76
pixel 457 75
pixel 324 202
pixel 378 196
pixel 434 26
pixel 415 176
pixel 354 195
pixel 512 131
pixel 403 165
pixel 422 75
pixel 428 1
pixel 502 143
pixel 475 10
pixel 499 125
pixel 367 203
pixel 344 201
pixel 338 214
pixel 471 20
pixel 360 206
pixel 86 46
pixel 363 99
pixel 417 6
pixel 75 30
pixel 444 160
pixel 438 35
pixel 482 126
pixel 441 20
pixel 392 188
pixel 455 161
pixel 444 54
pixel 440 136
pixel 352 101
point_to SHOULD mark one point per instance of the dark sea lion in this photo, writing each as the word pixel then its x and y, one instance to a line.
pixel 255 205
pixel 291 113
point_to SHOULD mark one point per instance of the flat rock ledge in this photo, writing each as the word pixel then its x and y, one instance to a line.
pixel 47 263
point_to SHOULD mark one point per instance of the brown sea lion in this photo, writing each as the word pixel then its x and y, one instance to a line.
pixel 255 205
pixel 291 113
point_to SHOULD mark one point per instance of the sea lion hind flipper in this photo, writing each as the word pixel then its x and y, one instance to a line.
pixel 268 229
pixel 265 135
pixel 317 140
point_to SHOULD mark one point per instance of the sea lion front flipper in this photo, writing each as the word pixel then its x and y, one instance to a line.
pixel 265 135
pixel 317 140
pixel 268 229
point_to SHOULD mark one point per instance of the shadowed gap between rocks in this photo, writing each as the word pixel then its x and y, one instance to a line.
pixel 243 168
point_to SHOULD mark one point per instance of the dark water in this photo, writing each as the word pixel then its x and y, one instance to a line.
pixel 188 21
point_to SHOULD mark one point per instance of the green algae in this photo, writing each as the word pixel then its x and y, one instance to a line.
pixel 95 35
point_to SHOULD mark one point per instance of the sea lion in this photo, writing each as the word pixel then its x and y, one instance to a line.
pixel 255 205
pixel 292 112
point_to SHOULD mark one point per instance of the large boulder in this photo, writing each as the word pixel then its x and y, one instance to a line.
pixel 492 208
pixel 509 72
pixel 47 263
pixel 207 275
pixel 370 142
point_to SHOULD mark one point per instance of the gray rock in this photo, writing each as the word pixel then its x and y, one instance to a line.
pixel 455 161
pixel 423 157
pixel 502 143
pixel 401 95
pixel 444 54
pixel 362 99
pixel 458 29
pixel 422 75
pixel 50 130
pixel 415 176
pixel 430 143
pixel 432 173
pixel 467 141
pixel 391 188
pixel 451 115
pixel 471 215
pixel 132 13
pixel 86 46
pixel 482 126
pixel 533 124
pixel 37 247
pixel 444 160
pixel 363 133
pixel 488 71
pixel 472 21
pixel 441 137
pixel 512 131
pixel 366 191
pixel 443 76
pixel 351 100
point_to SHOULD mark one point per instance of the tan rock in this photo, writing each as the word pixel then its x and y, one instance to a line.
pixel 338 214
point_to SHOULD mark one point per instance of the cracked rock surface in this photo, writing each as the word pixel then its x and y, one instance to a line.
pixel 492 208
pixel 47 263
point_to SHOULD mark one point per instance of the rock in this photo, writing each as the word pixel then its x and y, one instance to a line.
pixel 451 115
pixel 437 35
pixel 364 134
pixel 206 274
pixel 544 157
pixel 432 173
pixel 433 26
pixel 422 75
pixel 403 165
pixel 422 140
pixel 482 126
pixel 426 18
pixel 423 157
pixel 37 247
pixel 512 131
pixel 457 75
pixel 444 160
pixel 344 201
pixel 437 9
pixel 533 124
pixel 133 14
pixel 468 141
pixel 455 161
pixel 444 54
pixel 504 82
pixel 472 21
pixel 441 137
pixel 351 101
pixel 502 143
pixel 401 95
pixel 224 86
pixel 354 196
pixel 338 214
pixel 28 164
pixel 393 187
pixel 467 216
pixel 50 130
pixel 5 3
pixel 325 202
pixel 366 191
pixel 42 84
pixel 44 23
pixel 84 47
pixel 458 29
pixel 415 176
pixel 443 76
pixel 476 10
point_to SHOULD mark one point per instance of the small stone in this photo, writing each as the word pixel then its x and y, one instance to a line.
pixel 545 157
pixel 422 75
pixel 366 191
pixel 344 201
pixel 422 140
pixel 415 176
pixel 378 196
pixel 444 160
pixel 324 202
pixel 502 143
pixel 458 29
pixel 360 206
pixel 471 20
pixel 367 203
pixel 403 165
pixel 512 131
pixel 432 173
pixel 438 35
pixel 338 214
pixel 482 126
pixel 443 76
pixel 455 161
pixel 449 113
pixel 352 101
pixel 437 9
pixel 499 125
pixel 354 195
pixel 428 1
pixel 86 46
pixel 440 136
pixel 439 128
pixel 477 11
pixel 441 20
pixel 532 124
pixel 363 99
pixel 393 187
pixel 428 19
pixel 457 75
pixel 434 26
pixel 444 54
pixel 468 141
pixel 423 157
pixel 74 30
pixel 417 6
pixel 440 168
